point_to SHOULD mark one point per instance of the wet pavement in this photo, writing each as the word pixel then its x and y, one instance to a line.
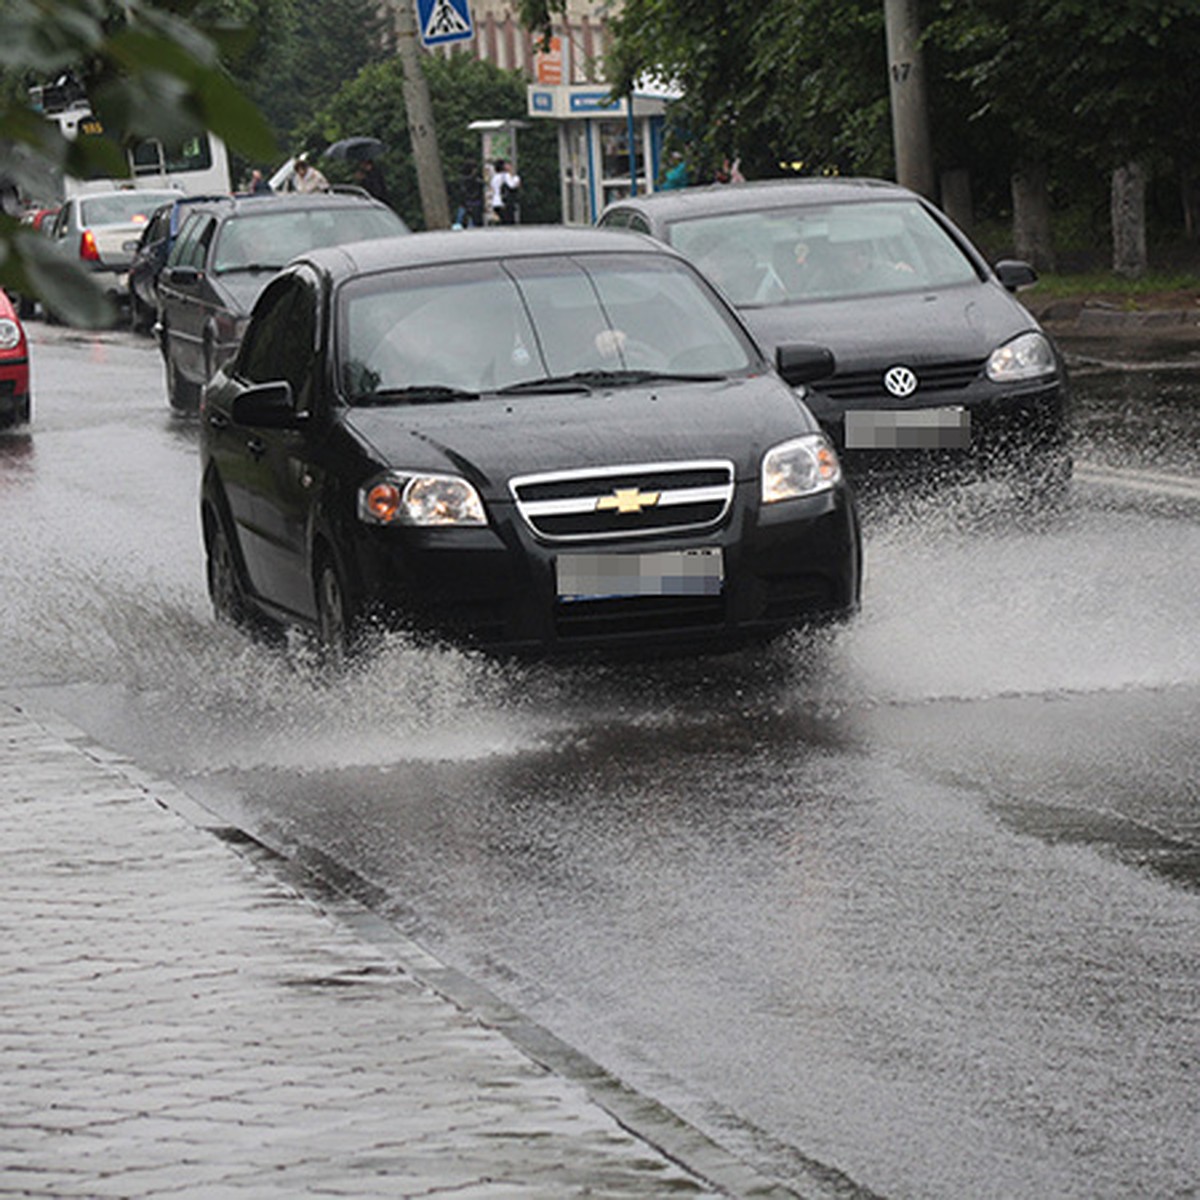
pixel 177 1018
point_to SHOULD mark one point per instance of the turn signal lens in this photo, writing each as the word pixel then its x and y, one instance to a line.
pixel 383 502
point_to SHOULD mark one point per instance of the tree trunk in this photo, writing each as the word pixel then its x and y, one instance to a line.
pixel 1129 219
pixel 1189 195
pixel 1032 235
pixel 956 198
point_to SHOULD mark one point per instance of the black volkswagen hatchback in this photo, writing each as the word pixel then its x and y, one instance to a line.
pixel 544 440
pixel 940 372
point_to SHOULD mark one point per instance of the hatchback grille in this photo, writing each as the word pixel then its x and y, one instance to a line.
pixel 626 501
pixel 931 377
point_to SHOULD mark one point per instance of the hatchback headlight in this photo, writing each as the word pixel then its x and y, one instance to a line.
pixel 799 468
pixel 10 334
pixel 420 500
pixel 1026 357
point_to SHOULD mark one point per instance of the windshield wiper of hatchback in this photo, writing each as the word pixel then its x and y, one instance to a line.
pixel 583 381
pixel 418 393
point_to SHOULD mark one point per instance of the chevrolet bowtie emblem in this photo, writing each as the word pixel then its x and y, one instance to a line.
pixel 627 500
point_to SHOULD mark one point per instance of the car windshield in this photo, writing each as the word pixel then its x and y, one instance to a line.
pixel 121 209
pixel 832 252
pixel 272 239
pixel 561 323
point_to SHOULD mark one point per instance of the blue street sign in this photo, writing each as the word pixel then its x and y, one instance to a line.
pixel 441 21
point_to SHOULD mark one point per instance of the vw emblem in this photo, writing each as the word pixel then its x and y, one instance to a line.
pixel 900 381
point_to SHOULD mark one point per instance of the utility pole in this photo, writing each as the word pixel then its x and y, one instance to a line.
pixel 419 112
pixel 910 112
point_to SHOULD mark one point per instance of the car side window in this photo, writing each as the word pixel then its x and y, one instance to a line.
pixel 184 239
pixel 197 249
pixel 638 223
pixel 280 342
pixel 615 220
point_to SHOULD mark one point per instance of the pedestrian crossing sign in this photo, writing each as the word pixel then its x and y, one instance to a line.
pixel 442 21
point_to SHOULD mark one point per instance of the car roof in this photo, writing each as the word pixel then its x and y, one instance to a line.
pixel 156 196
pixel 680 203
pixel 472 245
pixel 289 201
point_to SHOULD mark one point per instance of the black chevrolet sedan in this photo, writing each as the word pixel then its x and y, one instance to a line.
pixel 544 440
pixel 940 371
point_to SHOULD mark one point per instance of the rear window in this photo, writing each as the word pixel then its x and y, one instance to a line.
pixel 120 209
pixel 273 239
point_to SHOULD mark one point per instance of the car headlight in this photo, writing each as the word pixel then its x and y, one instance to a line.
pixel 420 500
pixel 1026 357
pixel 10 334
pixel 799 468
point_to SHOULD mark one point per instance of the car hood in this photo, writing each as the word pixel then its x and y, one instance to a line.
pixel 240 289
pixel 966 322
pixel 491 440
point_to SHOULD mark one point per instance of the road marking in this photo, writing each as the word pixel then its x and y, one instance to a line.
pixel 1158 483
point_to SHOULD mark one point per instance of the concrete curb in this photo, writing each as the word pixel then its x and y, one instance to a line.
pixel 709 1166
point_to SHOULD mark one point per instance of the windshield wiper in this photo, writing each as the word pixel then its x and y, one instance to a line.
pixel 253 268
pixel 419 393
pixel 582 381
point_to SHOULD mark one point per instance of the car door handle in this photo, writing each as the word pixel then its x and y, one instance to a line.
pixel 256 446
pixel 218 420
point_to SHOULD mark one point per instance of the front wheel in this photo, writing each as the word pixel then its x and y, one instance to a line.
pixel 227 592
pixel 183 396
pixel 341 631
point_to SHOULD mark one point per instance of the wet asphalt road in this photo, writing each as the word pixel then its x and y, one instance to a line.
pixel 910 910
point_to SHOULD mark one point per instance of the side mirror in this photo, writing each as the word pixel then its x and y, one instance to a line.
pixel 801 362
pixel 1015 274
pixel 182 276
pixel 266 406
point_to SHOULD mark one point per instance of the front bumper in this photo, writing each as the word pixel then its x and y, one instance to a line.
pixel 788 565
pixel 1011 431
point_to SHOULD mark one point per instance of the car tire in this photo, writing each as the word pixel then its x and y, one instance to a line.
pixel 227 590
pixel 183 396
pixel 141 315
pixel 340 628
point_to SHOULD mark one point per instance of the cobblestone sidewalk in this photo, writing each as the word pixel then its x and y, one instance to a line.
pixel 174 1021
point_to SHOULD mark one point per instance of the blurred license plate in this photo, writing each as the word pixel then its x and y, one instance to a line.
pixel 698 572
pixel 908 429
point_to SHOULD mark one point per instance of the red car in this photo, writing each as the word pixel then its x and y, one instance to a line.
pixel 14 366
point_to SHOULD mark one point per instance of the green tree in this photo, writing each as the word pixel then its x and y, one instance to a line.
pixel 148 70
pixel 462 90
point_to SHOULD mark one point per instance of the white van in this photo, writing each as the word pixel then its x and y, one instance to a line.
pixel 196 165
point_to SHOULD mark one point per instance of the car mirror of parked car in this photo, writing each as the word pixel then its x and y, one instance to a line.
pixel 801 362
pixel 267 406
pixel 182 276
pixel 1015 274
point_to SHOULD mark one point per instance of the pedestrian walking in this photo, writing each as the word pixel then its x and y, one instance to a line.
pixel 369 177
pixel 506 189
pixel 306 178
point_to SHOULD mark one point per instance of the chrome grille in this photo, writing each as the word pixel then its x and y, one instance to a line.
pixel 625 501
pixel 931 377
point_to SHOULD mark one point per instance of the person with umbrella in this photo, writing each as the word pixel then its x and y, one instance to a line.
pixel 363 152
